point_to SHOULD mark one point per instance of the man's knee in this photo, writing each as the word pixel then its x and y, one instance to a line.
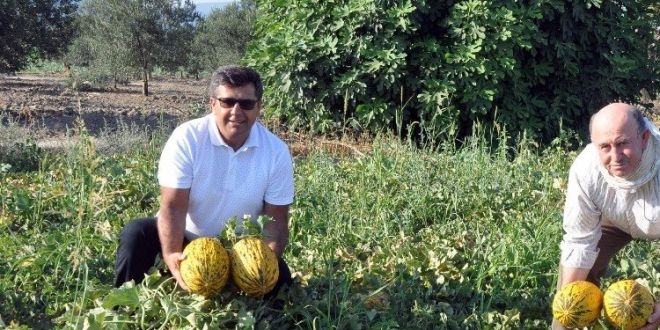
pixel 137 250
pixel 285 272
pixel 139 230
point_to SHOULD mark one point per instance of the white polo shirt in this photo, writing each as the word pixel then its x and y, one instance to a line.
pixel 225 183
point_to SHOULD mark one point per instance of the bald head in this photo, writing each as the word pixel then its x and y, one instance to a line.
pixel 619 114
pixel 619 133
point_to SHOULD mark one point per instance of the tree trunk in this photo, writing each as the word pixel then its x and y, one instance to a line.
pixel 67 70
pixel 145 82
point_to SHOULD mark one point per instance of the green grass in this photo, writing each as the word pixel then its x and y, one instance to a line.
pixel 395 238
pixel 45 66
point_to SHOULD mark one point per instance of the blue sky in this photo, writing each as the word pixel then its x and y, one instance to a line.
pixel 204 7
pixel 209 1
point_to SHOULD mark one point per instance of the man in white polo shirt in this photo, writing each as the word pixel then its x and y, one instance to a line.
pixel 613 196
pixel 221 166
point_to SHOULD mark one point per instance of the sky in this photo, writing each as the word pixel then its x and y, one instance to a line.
pixel 204 7
pixel 209 1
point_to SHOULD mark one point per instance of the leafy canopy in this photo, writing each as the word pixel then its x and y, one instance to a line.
pixel 34 29
pixel 435 68
pixel 222 37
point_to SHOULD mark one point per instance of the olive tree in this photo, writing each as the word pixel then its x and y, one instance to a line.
pixel 223 36
pixel 117 35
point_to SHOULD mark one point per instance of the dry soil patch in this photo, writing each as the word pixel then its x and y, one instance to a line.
pixel 46 103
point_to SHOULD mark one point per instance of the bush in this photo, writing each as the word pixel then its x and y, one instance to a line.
pixel 19 151
pixel 21 156
pixel 435 68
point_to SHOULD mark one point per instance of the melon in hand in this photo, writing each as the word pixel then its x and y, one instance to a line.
pixel 254 266
pixel 577 304
pixel 628 304
pixel 206 266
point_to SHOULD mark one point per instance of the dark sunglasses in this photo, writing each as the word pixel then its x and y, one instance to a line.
pixel 228 102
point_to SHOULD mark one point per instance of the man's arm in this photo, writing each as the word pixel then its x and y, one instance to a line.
pixel 171 228
pixel 277 229
pixel 571 274
pixel 581 221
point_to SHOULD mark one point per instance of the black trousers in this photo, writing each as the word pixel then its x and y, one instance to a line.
pixel 139 246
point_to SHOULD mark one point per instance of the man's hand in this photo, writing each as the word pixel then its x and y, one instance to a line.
pixel 173 260
pixel 654 319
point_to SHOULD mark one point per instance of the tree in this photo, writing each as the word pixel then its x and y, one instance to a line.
pixel 100 57
pixel 435 68
pixel 34 29
pixel 223 37
pixel 113 67
pixel 136 34
pixel 179 23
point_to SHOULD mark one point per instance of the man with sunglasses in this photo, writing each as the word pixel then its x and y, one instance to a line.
pixel 224 165
pixel 613 196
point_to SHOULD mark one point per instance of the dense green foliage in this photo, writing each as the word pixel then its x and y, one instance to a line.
pixel 425 69
pixel 437 67
pixel 33 29
pixel 392 237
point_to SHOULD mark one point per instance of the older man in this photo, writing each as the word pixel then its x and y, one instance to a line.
pixel 613 196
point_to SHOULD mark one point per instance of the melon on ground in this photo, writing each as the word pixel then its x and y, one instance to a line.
pixel 578 304
pixel 254 266
pixel 205 269
pixel 628 304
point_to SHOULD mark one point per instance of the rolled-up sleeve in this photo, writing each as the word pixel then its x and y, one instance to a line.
pixel 581 224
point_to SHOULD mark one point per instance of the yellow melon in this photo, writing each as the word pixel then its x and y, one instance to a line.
pixel 577 304
pixel 628 304
pixel 254 266
pixel 205 269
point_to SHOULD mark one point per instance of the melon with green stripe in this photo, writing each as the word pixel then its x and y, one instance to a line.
pixel 254 266
pixel 577 304
pixel 628 304
pixel 205 270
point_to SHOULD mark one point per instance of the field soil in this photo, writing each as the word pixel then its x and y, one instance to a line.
pixel 50 110
pixel 49 107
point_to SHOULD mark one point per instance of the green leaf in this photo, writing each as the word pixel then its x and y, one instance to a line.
pixel 126 295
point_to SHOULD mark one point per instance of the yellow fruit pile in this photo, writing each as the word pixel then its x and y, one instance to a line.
pixel 627 304
pixel 252 264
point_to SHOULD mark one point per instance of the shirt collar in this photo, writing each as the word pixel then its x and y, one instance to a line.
pixel 252 141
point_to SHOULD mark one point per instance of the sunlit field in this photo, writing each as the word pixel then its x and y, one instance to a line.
pixel 384 235
pixel 431 143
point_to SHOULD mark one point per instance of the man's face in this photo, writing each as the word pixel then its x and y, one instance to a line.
pixel 235 119
pixel 620 144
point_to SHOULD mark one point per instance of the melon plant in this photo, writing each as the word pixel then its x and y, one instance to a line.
pixel 205 269
pixel 577 304
pixel 254 266
pixel 628 304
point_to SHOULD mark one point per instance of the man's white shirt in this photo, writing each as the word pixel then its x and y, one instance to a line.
pixel 225 183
